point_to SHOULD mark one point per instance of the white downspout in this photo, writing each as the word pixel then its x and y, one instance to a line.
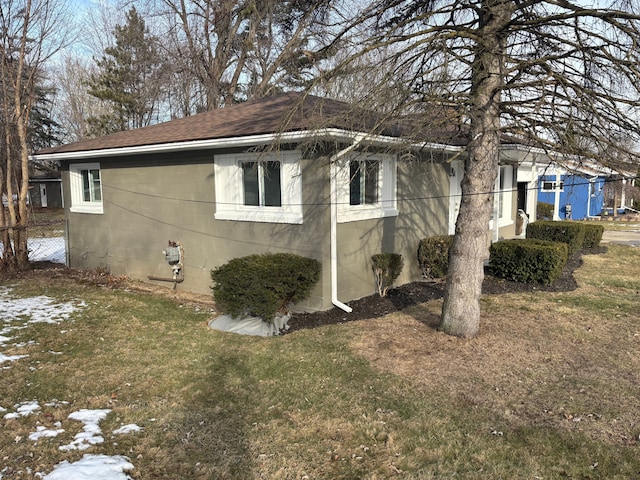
pixel 333 170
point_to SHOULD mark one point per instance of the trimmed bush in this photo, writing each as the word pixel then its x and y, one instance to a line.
pixel 386 267
pixel 571 233
pixel 528 261
pixel 544 211
pixel 433 256
pixel 262 285
pixel 592 235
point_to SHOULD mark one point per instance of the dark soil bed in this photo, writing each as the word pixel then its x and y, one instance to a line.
pixel 372 306
pixel 419 292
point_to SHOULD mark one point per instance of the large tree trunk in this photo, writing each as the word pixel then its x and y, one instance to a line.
pixel 461 308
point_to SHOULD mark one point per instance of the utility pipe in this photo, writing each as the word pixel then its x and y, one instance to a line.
pixel 333 170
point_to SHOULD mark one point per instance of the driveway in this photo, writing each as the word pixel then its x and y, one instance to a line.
pixel 630 237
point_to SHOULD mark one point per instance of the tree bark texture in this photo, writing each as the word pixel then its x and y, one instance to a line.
pixel 461 307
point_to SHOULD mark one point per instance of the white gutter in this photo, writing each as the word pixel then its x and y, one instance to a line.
pixel 333 170
pixel 247 141
pixel 286 137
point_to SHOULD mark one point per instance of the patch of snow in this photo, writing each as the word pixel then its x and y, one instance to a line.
pixel 44 432
pixel 131 428
pixel 91 433
pixel 47 250
pixel 17 313
pixel 10 358
pixel 40 309
pixel 250 325
pixel 23 409
pixel 56 403
pixel 93 467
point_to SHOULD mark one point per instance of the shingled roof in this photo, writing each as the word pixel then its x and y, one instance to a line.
pixel 286 112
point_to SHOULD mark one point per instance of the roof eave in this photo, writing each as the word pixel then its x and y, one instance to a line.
pixel 246 141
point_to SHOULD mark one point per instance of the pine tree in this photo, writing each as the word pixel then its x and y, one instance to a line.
pixel 129 79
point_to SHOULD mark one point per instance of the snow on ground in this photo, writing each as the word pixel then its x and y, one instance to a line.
pixel 45 250
pixel 16 314
pixel 91 433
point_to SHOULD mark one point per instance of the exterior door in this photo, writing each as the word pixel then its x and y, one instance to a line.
pixel 43 195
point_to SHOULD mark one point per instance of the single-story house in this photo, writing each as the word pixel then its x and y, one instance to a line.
pixel 289 173
pixel 576 189
pixel 45 191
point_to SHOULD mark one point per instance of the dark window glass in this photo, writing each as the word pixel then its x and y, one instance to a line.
pixel 371 182
pixel 363 182
pixel 250 183
pixel 271 179
pixel 261 183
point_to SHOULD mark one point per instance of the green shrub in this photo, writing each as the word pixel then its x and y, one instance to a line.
pixel 592 235
pixel 544 211
pixel 528 261
pixel 433 256
pixel 571 233
pixel 386 267
pixel 262 285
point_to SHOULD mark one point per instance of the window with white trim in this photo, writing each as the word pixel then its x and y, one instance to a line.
pixel 366 186
pixel 549 186
pixel 255 187
pixel 86 188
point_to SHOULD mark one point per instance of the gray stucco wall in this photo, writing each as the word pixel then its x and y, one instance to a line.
pixel 423 188
pixel 149 201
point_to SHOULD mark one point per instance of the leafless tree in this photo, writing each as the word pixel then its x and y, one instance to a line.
pixel 32 31
pixel 240 49
pixel 73 105
pixel 543 72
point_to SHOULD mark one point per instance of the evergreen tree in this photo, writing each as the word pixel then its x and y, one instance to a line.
pixel 129 79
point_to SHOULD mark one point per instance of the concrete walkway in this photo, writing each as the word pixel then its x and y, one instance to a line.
pixel 630 237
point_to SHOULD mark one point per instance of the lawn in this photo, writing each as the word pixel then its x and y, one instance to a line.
pixel 550 388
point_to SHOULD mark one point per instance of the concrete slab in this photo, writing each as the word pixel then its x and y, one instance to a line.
pixel 623 237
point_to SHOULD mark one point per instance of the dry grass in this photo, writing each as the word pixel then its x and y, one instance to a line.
pixel 548 390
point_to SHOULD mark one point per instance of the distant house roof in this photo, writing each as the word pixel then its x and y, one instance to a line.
pixel 46 177
pixel 287 112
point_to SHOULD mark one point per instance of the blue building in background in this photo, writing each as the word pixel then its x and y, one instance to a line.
pixel 576 194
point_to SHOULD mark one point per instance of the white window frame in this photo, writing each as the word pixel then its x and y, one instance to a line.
pixel 386 205
pixel 229 187
pixel 554 186
pixel 78 203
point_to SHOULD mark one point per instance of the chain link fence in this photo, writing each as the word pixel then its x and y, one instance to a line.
pixel 45 235
pixel 46 240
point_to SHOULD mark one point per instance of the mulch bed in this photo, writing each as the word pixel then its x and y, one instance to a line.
pixel 415 293
pixel 372 306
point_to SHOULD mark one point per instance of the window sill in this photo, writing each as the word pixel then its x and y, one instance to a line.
pixel 357 215
pixel 93 209
pixel 260 216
